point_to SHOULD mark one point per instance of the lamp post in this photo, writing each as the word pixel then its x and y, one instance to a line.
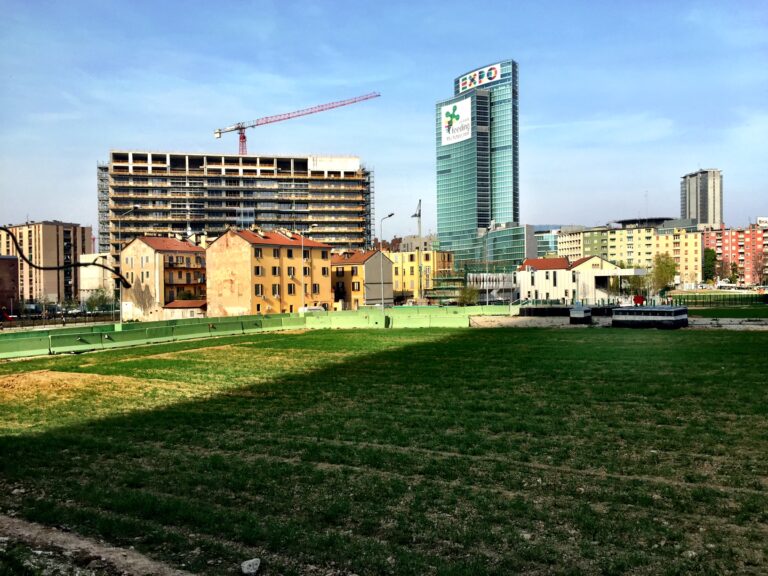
pixel 303 289
pixel 120 253
pixel 381 257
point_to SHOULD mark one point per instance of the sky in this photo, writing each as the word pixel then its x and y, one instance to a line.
pixel 618 100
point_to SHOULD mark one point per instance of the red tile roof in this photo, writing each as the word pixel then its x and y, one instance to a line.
pixel 186 304
pixel 353 258
pixel 545 264
pixel 274 238
pixel 581 261
pixel 169 244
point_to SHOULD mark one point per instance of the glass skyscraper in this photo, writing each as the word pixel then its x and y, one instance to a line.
pixel 477 169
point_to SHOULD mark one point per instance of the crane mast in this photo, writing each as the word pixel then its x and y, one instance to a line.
pixel 241 127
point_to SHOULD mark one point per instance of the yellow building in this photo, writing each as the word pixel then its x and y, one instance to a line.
pixel 687 250
pixel 263 272
pixel 405 273
pixel 160 271
pixel 360 279
pixel 48 243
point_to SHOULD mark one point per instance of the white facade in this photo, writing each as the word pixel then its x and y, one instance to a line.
pixel 94 278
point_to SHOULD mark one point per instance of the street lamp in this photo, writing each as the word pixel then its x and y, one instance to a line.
pixel 381 257
pixel 120 253
pixel 303 289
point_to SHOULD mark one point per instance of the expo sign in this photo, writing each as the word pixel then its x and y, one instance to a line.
pixel 479 77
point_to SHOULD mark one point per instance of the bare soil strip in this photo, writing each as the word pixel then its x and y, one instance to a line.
pixel 124 561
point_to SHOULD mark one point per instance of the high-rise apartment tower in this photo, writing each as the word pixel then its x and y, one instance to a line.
pixel 701 197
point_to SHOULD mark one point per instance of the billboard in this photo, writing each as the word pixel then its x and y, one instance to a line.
pixel 479 77
pixel 456 121
pixel 762 221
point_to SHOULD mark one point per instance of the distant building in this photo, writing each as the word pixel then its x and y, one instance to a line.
pixel 264 272
pixel 48 243
pixel 328 198
pixel 360 279
pixel 546 241
pixel 9 284
pixel 95 278
pixel 414 271
pixel 701 197
pixel 747 248
pixel 477 171
pixel 160 271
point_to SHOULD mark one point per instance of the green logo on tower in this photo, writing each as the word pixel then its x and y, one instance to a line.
pixel 452 117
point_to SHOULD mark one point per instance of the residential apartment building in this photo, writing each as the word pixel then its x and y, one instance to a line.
pixel 160 271
pixel 267 272
pixel 636 243
pixel 745 247
pixel 48 243
pixel 329 198
pixel 701 197
pixel 413 272
pixel 362 279
pixel 9 284
pixel 477 166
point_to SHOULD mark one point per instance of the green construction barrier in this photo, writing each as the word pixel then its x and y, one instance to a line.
pixel 159 334
pixel 496 310
pixel 227 328
pixel 350 321
pixel 82 342
pixel 252 324
pixel 294 323
pixel 190 331
pixel 32 345
pixel 120 339
pixel 452 321
pixel 271 323
pixel 415 321
pixel 318 322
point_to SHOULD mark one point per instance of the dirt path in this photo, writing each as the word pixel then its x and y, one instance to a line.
pixel 82 555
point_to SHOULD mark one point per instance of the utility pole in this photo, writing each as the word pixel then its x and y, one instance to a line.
pixel 417 215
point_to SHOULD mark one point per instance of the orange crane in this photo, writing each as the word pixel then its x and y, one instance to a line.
pixel 241 126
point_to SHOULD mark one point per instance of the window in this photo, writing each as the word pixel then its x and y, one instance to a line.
pixel 290 252
pixel 275 252
pixel 411 270
pixel 354 271
pixel 276 290
pixel 258 290
pixel 275 270
pixel 426 257
pixel 554 277
pixel 258 271
pixel 291 271
pixel 307 271
pixel 546 275
pixel 291 289
pixel 339 272
pixel 258 308
pixel 315 288
pixel 356 286
pixel 257 252
pixel 306 254
pixel 411 258
pixel 325 271
pixel 324 254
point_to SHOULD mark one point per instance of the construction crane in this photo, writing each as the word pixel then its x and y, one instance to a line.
pixel 242 126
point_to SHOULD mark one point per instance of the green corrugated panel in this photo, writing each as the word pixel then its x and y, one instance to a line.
pixel 228 328
pixel 189 331
pixel 453 321
pixel 35 345
pixel 496 310
pixel 160 334
pixel 271 323
pixel 252 324
pixel 472 310
pixel 10 336
pixel 318 322
pixel 82 342
pixel 294 323
pixel 71 330
pixel 120 339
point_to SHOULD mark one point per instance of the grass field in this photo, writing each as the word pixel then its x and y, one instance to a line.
pixel 496 451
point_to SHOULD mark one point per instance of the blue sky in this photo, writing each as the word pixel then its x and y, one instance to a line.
pixel 617 99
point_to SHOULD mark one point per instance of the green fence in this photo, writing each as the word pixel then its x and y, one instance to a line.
pixel 106 336
pixel 719 299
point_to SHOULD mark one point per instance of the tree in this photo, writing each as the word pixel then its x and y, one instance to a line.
pixel 758 267
pixel 468 296
pixel 664 270
pixel 708 267
pixel 734 277
pixel 99 300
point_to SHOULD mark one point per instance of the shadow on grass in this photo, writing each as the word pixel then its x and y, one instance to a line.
pixel 414 452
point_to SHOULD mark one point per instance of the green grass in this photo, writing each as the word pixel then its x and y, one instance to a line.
pixel 757 311
pixel 404 451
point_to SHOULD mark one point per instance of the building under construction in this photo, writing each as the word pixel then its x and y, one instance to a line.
pixel 327 198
